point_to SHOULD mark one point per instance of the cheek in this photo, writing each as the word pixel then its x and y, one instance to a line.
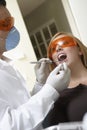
pixel 72 53
pixel 54 56
pixel 71 50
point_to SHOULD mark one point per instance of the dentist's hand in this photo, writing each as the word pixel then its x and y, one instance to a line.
pixel 42 70
pixel 59 78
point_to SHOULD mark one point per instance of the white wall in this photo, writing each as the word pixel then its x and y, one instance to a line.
pixel 79 12
pixel 23 53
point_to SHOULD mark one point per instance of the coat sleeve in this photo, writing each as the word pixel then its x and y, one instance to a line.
pixel 85 121
pixel 67 126
pixel 37 87
pixel 30 115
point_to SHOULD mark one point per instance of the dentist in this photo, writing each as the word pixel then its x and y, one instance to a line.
pixel 18 110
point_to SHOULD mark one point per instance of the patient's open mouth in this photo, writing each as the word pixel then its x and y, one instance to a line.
pixel 62 57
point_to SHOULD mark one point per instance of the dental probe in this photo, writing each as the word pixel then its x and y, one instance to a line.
pixel 37 62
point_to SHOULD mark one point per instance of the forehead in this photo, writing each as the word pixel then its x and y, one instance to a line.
pixel 4 13
pixel 61 36
pixel 62 39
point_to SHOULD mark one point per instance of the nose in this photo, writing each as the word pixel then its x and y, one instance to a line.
pixel 59 48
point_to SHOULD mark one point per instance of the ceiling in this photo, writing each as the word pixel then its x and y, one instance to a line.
pixel 27 6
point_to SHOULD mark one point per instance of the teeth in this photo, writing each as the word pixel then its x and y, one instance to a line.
pixel 61 55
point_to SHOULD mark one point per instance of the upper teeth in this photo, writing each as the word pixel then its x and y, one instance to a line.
pixel 60 55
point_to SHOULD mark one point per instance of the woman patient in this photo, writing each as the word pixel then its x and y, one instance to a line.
pixel 72 104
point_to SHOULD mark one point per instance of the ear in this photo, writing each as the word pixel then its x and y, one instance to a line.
pixel 80 51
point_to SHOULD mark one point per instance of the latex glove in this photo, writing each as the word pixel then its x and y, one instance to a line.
pixel 59 78
pixel 42 70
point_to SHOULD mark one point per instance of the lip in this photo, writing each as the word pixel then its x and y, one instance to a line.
pixel 62 52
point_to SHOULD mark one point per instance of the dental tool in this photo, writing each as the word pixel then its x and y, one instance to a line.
pixel 37 62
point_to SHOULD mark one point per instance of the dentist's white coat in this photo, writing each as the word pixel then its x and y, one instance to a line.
pixel 18 110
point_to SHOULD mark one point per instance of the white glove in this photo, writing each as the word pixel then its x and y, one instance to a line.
pixel 59 78
pixel 42 70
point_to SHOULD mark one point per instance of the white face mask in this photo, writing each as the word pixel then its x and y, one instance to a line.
pixel 12 39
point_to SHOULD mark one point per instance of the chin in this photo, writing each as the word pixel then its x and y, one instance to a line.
pixel 60 62
pixel 69 65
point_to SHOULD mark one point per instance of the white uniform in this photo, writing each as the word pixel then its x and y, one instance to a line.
pixel 85 122
pixel 18 110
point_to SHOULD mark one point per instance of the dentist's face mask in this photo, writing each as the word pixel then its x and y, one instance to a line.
pixel 12 39
pixel 13 36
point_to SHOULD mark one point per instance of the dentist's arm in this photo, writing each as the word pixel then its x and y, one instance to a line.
pixel 29 116
pixel 67 126
pixel 42 72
